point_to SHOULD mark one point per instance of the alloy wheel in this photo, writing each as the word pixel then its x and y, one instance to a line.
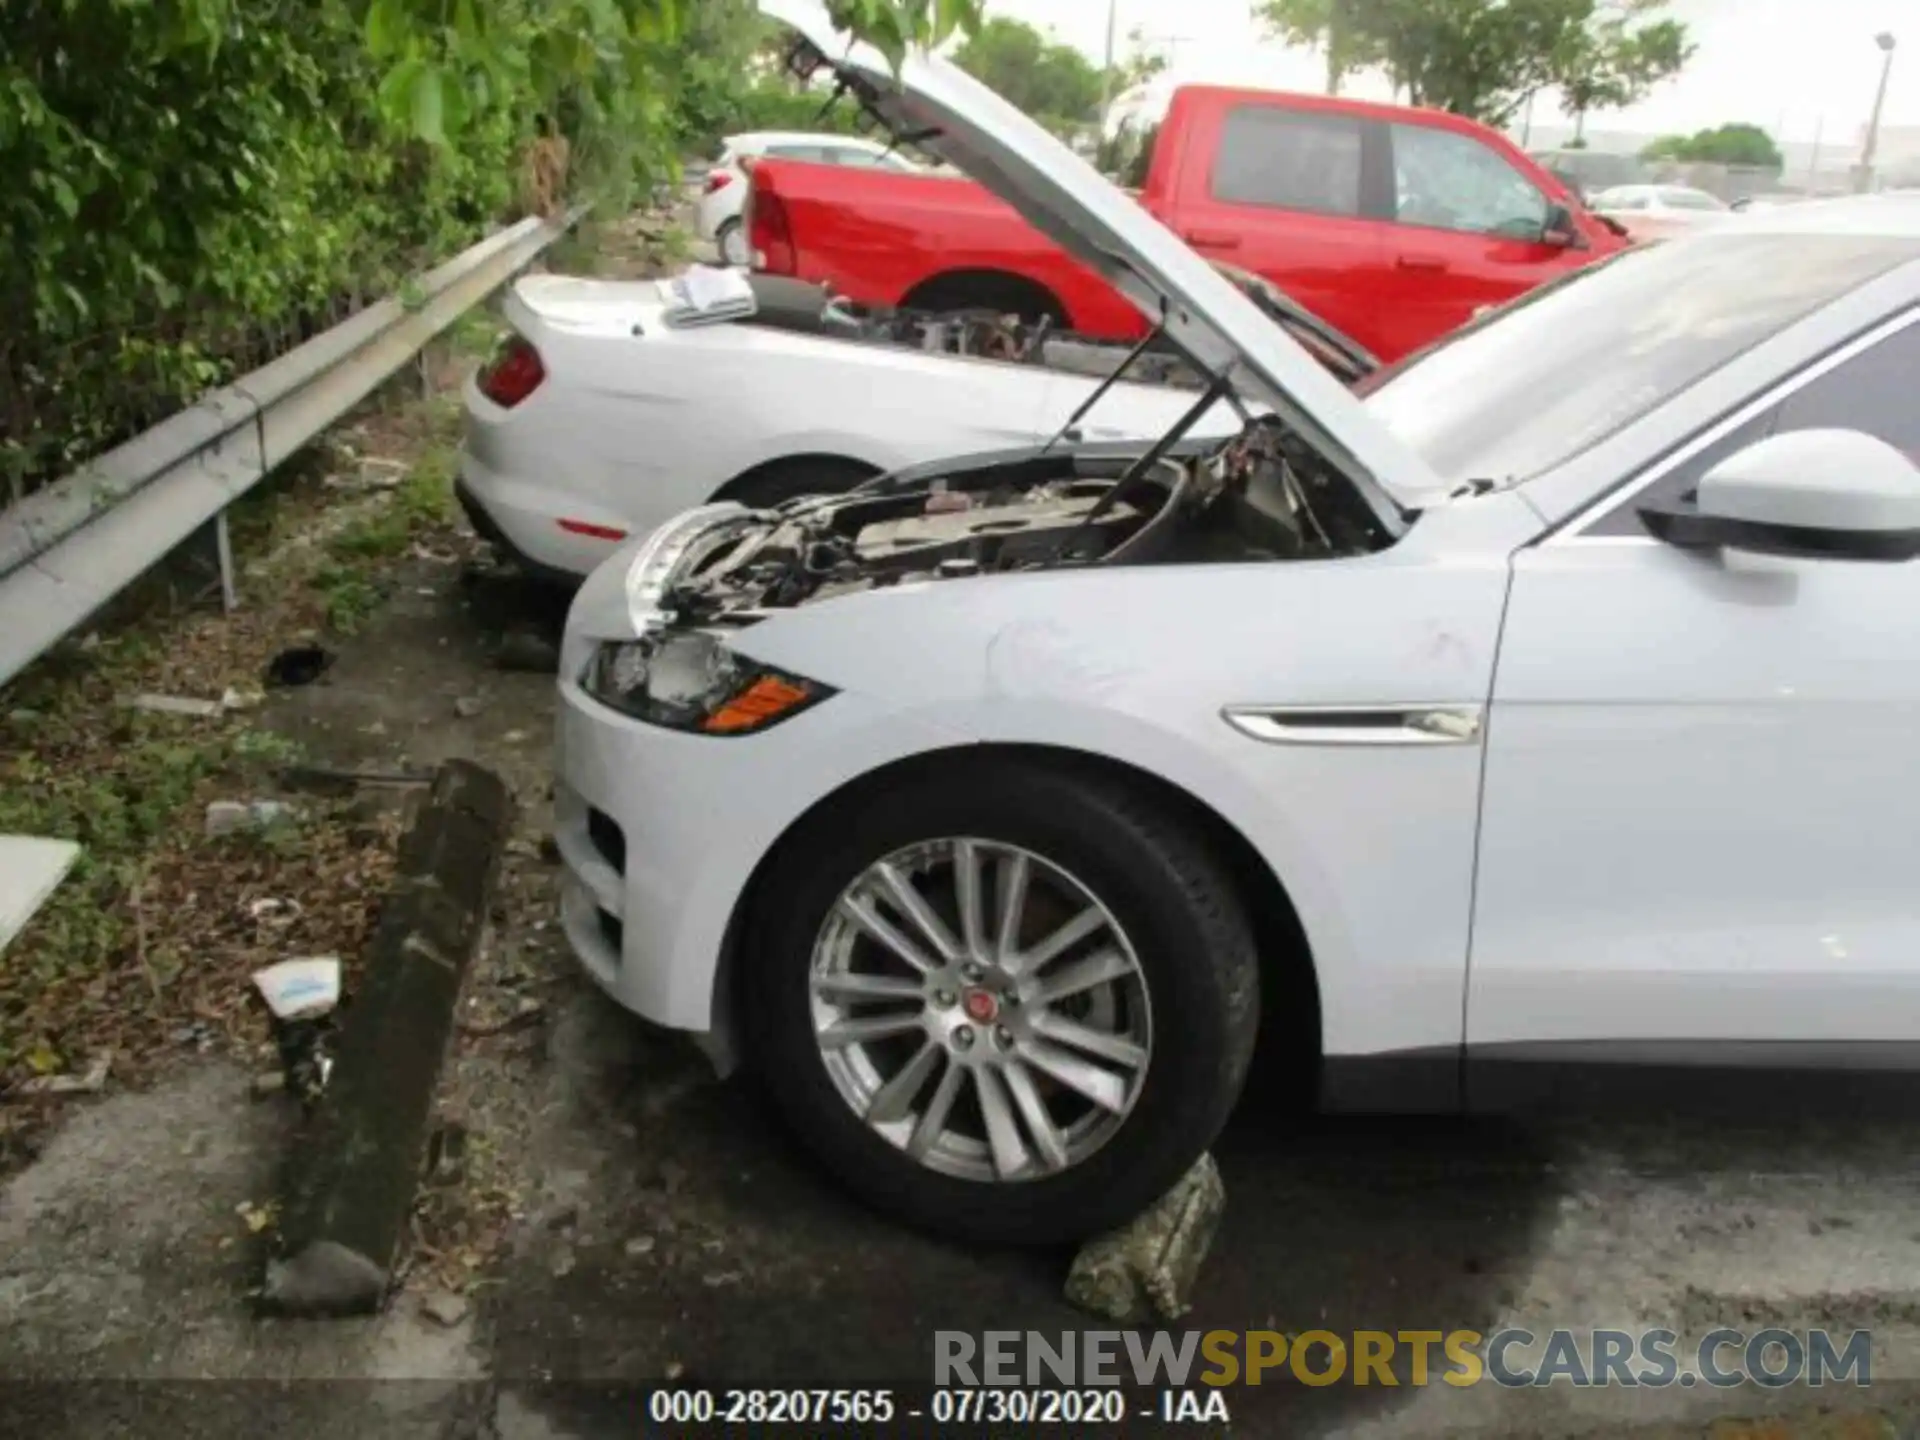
pixel 981 1009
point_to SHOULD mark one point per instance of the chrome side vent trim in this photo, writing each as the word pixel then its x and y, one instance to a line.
pixel 1357 725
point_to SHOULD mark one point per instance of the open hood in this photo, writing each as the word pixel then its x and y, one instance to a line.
pixel 947 112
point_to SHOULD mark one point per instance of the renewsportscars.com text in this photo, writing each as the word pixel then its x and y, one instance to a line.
pixel 1513 1358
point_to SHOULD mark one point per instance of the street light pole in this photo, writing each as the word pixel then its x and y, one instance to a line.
pixel 1864 182
pixel 1106 75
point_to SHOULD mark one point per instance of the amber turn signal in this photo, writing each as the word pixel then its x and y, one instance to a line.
pixel 761 703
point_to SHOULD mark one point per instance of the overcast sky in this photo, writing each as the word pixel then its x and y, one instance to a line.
pixel 1791 66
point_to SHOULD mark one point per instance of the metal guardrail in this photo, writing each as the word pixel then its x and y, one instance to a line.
pixel 67 550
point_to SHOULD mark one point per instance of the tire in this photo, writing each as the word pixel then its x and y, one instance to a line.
pixel 790 479
pixel 1177 917
pixel 731 241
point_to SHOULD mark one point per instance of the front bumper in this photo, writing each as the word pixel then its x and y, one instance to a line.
pixel 625 837
pixel 660 834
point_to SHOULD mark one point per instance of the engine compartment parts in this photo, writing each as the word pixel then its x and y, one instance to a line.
pixel 1259 496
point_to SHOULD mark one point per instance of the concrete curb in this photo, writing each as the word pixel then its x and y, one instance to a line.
pixel 350 1186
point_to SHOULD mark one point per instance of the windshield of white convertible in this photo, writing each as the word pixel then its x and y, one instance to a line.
pixel 1577 360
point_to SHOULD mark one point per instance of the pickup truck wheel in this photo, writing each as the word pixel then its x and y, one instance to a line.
pixel 987 291
pixel 1001 1002
pixel 785 480
pixel 731 241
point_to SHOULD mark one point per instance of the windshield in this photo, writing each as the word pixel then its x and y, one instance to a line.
pixel 1554 373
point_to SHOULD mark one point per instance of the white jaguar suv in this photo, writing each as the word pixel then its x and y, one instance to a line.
pixel 1543 714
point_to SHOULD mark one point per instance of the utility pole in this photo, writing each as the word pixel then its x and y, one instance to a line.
pixel 1863 179
pixel 1106 74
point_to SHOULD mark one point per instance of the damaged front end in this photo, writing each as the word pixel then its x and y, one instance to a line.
pixel 691 586
pixel 1260 496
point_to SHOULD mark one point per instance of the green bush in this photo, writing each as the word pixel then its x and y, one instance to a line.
pixel 184 205
pixel 193 186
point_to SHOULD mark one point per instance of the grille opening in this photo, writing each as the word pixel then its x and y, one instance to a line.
pixel 608 839
pixel 612 931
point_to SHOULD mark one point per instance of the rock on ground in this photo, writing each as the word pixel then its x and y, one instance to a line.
pixel 1148 1267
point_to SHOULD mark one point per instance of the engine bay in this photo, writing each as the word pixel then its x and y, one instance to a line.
pixel 1260 496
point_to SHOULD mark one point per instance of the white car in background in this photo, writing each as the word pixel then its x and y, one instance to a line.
pixel 717 217
pixel 1541 718
pixel 1654 212
pixel 598 419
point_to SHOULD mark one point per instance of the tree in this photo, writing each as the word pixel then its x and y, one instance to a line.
pixel 1483 58
pixel 1054 83
pixel 1611 62
pixel 1143 63
pixel 1326 24
pixel 194 181
pixel 612 66
pixel 1735 144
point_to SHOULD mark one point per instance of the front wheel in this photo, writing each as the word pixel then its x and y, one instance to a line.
pixel 1006 1002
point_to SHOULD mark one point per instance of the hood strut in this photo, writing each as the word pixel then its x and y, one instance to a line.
pixel 1105 385
pixel 1221 385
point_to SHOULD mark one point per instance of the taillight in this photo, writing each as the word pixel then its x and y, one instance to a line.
pixel 719 180
pixel 513 374
pixel 770 235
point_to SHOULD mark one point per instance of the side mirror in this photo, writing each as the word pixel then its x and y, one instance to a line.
pixel 1813 494
pixel 1559 229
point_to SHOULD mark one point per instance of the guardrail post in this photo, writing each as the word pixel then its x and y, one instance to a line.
pixel 209 552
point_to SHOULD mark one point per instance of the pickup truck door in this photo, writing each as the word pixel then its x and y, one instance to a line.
pixel 1465 235
pixel 1291 194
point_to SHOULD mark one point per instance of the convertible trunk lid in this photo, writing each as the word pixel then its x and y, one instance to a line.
pixel 948 112
pixel 581 306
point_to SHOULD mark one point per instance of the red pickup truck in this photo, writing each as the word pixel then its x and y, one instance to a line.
pixel 1395 225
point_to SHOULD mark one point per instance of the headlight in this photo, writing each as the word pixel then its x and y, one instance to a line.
pixel 692 681
pixel 652 567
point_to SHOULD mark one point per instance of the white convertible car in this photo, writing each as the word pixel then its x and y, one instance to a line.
pixel 599 419
pixel 1543 716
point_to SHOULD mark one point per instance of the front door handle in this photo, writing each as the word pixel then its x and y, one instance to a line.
pixel 1427 264
pixel 1217 239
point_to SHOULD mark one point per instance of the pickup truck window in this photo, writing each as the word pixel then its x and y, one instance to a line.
pixel 1292 159
pixel 1451 181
